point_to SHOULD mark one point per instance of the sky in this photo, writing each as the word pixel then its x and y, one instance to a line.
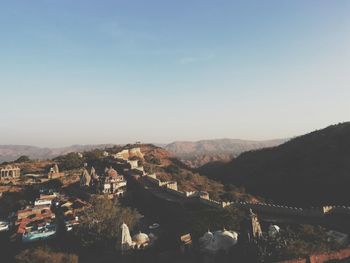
pixel 120 71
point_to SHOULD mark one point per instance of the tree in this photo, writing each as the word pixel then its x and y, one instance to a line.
pixel 172 169
pixel 54 184
pixel 45 255
pixel 23 159
pixel 69 161
pixel 100 224
pixel 293 243
pixel 93 156
pixel 152 159
pixel 215 219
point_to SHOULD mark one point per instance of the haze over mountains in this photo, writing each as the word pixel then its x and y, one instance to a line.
pixel 287 171
pixel 194 154
pixel 12 152
pixel 198 153
pixel 313 169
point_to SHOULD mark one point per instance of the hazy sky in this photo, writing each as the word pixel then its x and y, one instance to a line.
pixel 83 71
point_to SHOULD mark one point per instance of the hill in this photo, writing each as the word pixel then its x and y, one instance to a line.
pixel 198 153
pixel 154 160
pixel 9 153
pixel 313 169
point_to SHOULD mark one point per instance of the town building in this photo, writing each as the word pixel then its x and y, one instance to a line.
pixel 138 241
pixel 221 240
pixel 112 183
pixel 9 172
pixel 54 172
pixel 85 178
pixel 256 228
pixel 41 232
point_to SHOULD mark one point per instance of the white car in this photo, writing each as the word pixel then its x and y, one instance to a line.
pixel 154 226
pixel 4 226
pixel 42 202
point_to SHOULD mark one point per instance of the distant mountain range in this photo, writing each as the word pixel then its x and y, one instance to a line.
pixel 12 152
pixel 313 169
pixel 194 154
pixel 198 153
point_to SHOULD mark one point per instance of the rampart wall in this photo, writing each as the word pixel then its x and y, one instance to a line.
pixel 171 187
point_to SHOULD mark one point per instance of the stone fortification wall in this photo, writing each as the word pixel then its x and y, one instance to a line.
pixel 136 152
pixel 279 209
pixel 258 207
pixel 338 210
pixel 126 154
pixel 176 192
pixel 323 257
pixel 294 211
pixel 211 203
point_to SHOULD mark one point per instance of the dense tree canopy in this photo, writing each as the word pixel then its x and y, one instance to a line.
pixel 70 161
pixel 45 255
pixel 294 242
pixel 23 159
pixel 100 224
pixel 215 219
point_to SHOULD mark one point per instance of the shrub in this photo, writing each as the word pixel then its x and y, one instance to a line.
pixel 45 255
pixel 23 159
pixel 69 161
pixel 100 225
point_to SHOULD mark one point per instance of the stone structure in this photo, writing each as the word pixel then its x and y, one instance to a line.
pixel 141 240
pixel 133 163
pixel 275 209
pixel 126 241
pixel 85 178
pixel 55 168
pixel 221 240
pixel 172 185
pixel 93 173
pixel 126 154
pixel 10 171
pixel 186 243
pixel 138 241
pixel 323 257
pixel 256 228
pixel 112 183
pixel 54 172
pixel 273 230
pixel 88 179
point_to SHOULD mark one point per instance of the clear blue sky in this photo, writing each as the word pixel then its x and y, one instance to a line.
pixel 88 71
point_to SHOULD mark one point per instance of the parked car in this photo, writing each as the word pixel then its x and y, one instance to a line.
pixel 4 226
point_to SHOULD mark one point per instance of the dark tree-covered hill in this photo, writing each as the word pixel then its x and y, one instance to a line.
pixel 312 169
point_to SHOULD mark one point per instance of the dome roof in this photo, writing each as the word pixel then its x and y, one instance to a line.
pixel 219 240
pixel 229 234
pixel 154 226
pixel 208 235
pixel 273 230
pixel 206 239
pixel 112 172
pixel 140 238
pixel 224 239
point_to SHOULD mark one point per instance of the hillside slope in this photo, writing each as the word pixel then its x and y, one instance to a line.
pixel 312 169
pixel 196 154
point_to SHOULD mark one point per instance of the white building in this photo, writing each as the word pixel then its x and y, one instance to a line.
pixel 10 171
pixel 219 240
pixel 113 183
